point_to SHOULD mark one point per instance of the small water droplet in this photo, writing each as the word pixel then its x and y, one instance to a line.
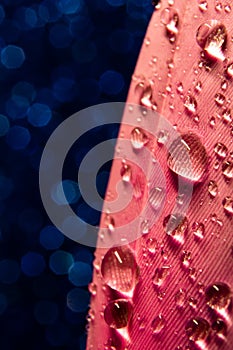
pixel 227 170
pixel 162 137
pixel 190 104
pixel 156 197
pixel 212 122
pixel 192 274
pixel 160 275
pixel 220 328
pixel 176 226
pixel 229 70
pixel 180 297
pixel 152 245
pixel 226 116
pixel 221 150
pixel 218 6
pixel 213 188
pixel 197 329
pixel 158 324
pixel 198 86
pixel 227 8
pixel 126 172
pixel 145 227
pixel 228 205
pixel 218 296
pixel 170 18
pixel 219 99
pixel 224 85
pixel 186 259
pixel 92 287
pixel 120 270
pixel 192 302
pixel 147 41
pixel 110 222
pixel 118 313
pixel 212 37
pixel 203 5
pixel 180 88
pixel 138 138
pixel 187 157
pixel 146 97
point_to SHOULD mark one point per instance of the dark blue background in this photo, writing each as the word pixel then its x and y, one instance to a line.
pixel 57 57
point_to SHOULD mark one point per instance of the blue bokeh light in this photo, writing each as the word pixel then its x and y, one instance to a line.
pixel 9 271
pixel 12 56
pixel 59 36
pixel 51 238
pixel 17 106
pixel 80 274
pixel 46 312
pixel 111 82
pixel 67 191
pixel 24 89
pixel 32 264
pixel 4 125
pixel 78 300
pixel 64 89
pixel 69 7
pixel 39 115
pixel 18 137
pixel 60 262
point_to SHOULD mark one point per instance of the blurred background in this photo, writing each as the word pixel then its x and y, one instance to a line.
pixel 56 58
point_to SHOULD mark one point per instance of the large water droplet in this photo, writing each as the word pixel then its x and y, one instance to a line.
pixel 158 324
pixel 190 104
pixel 118 313
pixel 221 150
pixel 213 188
pixel 120 270
pixel 160 275
pixel 176 226
pixel 227 169
pixel 228 205
pixel 197 329
pixel 212 37
pixel 218 296
pixel 187 157
pixel 156 197
pixel 138 138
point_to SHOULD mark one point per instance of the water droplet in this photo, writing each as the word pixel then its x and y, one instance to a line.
pixel 176 226
pixel 138 138
pixel 218 6
pixel 228 205
pixel 198 86
pixel 162 137
pixel 126 172
pixel 192 303
pixel 227 169
pixel 197 329
pixel 180 297
pixel 146 98
pixel 203 5
pixel 120 270
pixel 110 222
pixel 190 104
pixel 92 287
pixel 160 275
pixel 213 188
pixel 145 227
pixel 226 116
pixel 218 296
pixel 227 8
pixel 229 70
pixel 192 274
pixel 221 150
pixel 187 157
pixel 158 324
pixel 156 197
pixel 220 328
pixel 212 122
pixel 212 37
pixel 147 41
pixel 186 259
pixel 219 99
pixel 224 85
pixel 180 88
pixel 152 245
pixel 118 313
pixel 170 18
